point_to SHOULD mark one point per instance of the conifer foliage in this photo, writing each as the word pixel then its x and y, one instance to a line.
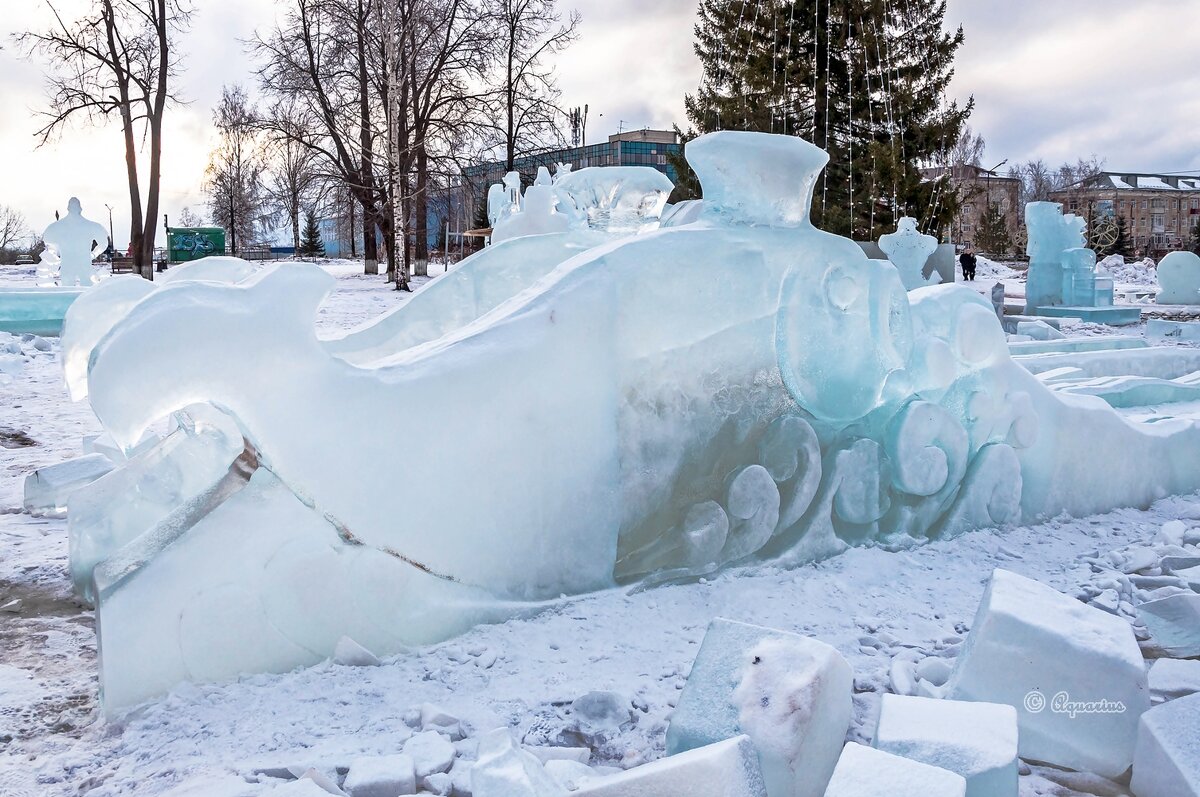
pixel 863 79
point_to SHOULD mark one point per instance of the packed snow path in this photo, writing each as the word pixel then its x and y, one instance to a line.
pixel 869 603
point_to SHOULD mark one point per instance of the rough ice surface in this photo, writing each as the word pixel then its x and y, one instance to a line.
pixel 788 693
pixel 1167 763
pixel 909 251
pixel 503 769
pixel 381 776
pixel 1078 707
pixel 743 388
pixel 866 772
pixel 616 199
pixel 1174 678
pixel 724 769
pixel 74 239
pixel 1174 624
pixel 48 489
pixel 1180 330
pixel 976 740
pixel 1179 278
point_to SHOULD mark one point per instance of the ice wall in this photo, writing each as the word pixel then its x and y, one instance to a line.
pixel 742 388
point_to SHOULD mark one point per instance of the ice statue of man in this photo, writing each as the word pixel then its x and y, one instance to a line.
pixel 909 250
pixel 73 238
pixel 543 177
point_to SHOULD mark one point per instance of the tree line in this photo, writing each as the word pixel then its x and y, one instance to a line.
pixel 363 109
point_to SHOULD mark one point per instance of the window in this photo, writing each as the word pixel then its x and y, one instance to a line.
pixel 1157 221
pixel 1195 203
pixel 1144 204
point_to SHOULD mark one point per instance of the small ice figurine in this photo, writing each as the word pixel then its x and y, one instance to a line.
pixel 909 250
pixel 73 239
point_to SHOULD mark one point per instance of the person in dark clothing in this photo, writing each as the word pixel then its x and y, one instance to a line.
pixel 967 261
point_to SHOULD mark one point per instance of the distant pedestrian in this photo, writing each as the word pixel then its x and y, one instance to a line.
pixel 967 261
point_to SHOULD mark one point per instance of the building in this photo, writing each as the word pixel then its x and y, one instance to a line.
pixel 1161 211
pixel 977 188
pixel 631 148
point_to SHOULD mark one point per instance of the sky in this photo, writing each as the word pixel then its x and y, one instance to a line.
pixel 1052 79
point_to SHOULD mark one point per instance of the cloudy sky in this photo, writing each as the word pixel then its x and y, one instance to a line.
pixel 1052 79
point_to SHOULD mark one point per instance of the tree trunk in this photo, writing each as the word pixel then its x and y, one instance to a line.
pixel 421 214
pixel 370 250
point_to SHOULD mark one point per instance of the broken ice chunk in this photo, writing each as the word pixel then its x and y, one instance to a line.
pixel 866 772
pixel 47 489
pixel 1173 678
pixel 381 776
pixel 1074 673
pixel 725 769
pixel 1167 763
pixel 1174 624
pixel 976 740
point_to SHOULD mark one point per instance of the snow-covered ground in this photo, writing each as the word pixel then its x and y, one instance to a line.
pixel 870 603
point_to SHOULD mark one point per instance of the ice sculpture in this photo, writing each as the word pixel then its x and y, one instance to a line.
pixel 1179 278
pixel 741 388
pixel 1050 234
pixel 909 251
pixel 616 199
pixel 537 215
pixel 72 238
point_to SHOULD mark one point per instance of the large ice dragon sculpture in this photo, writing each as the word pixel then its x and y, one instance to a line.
pixel 738 389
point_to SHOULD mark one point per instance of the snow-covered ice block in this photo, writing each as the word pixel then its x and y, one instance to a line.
pixel 381 776
pixel 1167 763
pixel 503 769
pixel 724 769
pixel 1174 678
pixel 1174 624
pixel 866 772
pixel 431 752
pixel 48 489
pixel 1073 672
pixel 790 694
pixel 976 740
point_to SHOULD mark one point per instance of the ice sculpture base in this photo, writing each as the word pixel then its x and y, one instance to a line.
pixel 36 310
pixel 1116 316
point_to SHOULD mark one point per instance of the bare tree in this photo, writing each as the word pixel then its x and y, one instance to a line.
pixel 13 229
pixel 529 33
pixel 968 150
pixel 189 218
pixel 293 173
pixel 117 60
pixel 236 170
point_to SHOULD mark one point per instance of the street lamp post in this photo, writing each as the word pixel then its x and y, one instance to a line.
pixel 112 241
pixel 992 171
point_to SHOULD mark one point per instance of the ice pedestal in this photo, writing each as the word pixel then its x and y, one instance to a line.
pixel 37 311
pixel 725 769
pixel 1074 673
pixel 789 693
pixel 975 740
pixel 1167 763
pixel 866 772
pixel 48 489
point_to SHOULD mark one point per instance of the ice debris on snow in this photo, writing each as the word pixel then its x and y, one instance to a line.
pixel 866 772
pixel 1174 624
pixel 349 653
pixel 503 769
pixel 1073 672
pixel 1173 678
pixel 1167 763
pixel 727 768
pixel 976 740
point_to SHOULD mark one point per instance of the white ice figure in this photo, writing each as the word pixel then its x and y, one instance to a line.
pixel 561 170
pixel 498 204
pixel 909 251
pixel 1179 278
pixel 72 238
pixel 742 388
pixel 543 177
pixel 536 217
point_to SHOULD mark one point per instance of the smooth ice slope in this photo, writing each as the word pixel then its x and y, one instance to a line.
pixel 1167 763
pixel 866 772
pixel 1179 278
pixel 724 769
pixel 789 693
pixel 976 740
pixel 1042 652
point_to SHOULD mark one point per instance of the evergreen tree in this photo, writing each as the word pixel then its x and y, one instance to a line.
pixel 862 79
pixel 1121 244
pixel 311 244
pixel 993 236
